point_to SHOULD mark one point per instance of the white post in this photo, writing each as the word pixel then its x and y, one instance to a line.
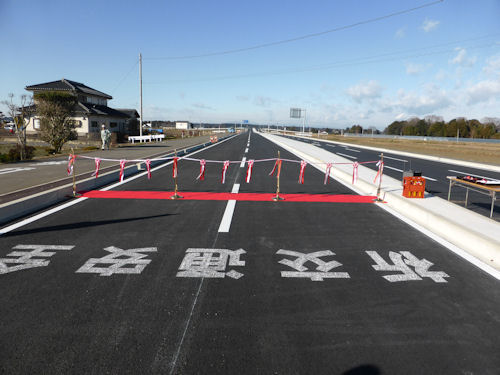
pixel 140 81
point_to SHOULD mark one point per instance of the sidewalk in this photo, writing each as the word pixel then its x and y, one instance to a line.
pixel 33 185
pixel 478 235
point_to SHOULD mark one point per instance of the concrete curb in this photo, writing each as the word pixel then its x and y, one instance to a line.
pixel 476 243
pixel 471 164
pixel 31 204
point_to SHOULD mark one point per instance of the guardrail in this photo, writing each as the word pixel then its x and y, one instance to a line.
pixel 421 138
pixel 147 138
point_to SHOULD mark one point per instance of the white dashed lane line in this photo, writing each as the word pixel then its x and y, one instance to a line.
pixel 225 223
pixel 347 156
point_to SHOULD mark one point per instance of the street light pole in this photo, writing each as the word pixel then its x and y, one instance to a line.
pixel 140 84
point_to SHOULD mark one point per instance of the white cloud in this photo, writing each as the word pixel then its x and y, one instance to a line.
pixel 202 106
pixel 483 91
pixel 462 59
pixel 263 101
pixel 401 33
pixel 366 90
pixel 441 75
pixel 432 100
pixel 429 25
pixel 492 65
pixel 414 69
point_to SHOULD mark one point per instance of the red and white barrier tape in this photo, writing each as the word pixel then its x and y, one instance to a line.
pixel 355 166
pixel 71 161
pixel 380 171
pixel 174 167
pixel 97 165
pixel 122 168
pixel 201 176
pixel 327 173
pixel 148 167
pixel 224 170
pixel 249 170
pixel 303 165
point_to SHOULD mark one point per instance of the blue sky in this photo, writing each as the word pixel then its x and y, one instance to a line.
pixel 442 59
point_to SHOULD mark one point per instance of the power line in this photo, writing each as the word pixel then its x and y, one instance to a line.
pixel 393 56
pixel 125 76
pixel 307 36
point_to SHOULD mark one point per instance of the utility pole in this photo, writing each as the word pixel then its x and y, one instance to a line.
pixel 140 84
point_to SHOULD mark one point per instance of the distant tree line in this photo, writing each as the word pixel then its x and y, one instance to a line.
pixel 435 126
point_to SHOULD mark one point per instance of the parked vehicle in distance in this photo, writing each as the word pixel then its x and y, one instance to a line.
pixel 10 127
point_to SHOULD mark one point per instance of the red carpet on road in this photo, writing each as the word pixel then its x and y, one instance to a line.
pixel 211 196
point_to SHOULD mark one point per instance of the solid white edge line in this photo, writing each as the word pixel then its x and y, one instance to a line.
pixel 40 216
pixel 453 248
pixel 243 161
pixel 78 200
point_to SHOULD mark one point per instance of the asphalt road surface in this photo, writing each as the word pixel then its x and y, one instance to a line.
pixel 434 172
pixel 164 286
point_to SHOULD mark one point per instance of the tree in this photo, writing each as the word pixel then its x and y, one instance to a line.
pixel 21 114
pixel 55 110
pixel 395 128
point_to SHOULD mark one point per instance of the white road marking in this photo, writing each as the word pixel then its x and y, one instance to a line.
pixel 470 174
pixel 388 157
pixel 329 145
pixel 225 223
pixel 322 266
pixel 12 170
pixel 49 163
pixel 246 150
pixel 394 169
pixel 420 267
pixel 429 178
pixel 211 263
pixel 400 170
pixel 243 161
pixel 118 261
pixel 347 156
pixel 23 260
pixel 350 149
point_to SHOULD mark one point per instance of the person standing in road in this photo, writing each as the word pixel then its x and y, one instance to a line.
pixel 105 137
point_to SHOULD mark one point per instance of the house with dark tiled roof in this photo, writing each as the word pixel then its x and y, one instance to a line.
pixel 90 112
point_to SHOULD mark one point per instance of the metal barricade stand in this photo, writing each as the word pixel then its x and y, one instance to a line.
pixel 378 199
pixel 277 198
pixel 176 196
pixel 75 194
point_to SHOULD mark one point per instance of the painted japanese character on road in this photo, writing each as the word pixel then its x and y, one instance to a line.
pixel 402 262
pixel 23 260
pixel 211 263
pixel 118 261
pixel 322 267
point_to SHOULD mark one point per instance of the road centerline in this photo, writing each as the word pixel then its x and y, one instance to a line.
pixel 225 223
